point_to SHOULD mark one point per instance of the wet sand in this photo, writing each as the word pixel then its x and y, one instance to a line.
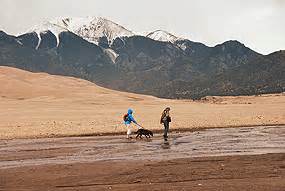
pixel 230 173
pixel 249 158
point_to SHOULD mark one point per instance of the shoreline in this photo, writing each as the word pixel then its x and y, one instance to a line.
pixel 156 131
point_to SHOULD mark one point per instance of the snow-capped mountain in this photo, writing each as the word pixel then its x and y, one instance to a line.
pixel 161 35
pixel 93 29
pixel 89 28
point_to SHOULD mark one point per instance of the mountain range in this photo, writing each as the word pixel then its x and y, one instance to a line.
pixel 158 63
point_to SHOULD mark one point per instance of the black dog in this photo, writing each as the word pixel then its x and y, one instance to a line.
pixel 145 132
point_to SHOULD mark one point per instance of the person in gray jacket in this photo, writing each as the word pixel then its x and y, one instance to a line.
pixel 165 120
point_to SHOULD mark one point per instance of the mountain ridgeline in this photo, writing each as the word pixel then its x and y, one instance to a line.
pixel 164 66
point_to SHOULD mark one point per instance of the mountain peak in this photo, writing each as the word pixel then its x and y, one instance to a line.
pixel 2 33
pixel 161 35
pixel 89 28
pixel 231 43
pixel 235 46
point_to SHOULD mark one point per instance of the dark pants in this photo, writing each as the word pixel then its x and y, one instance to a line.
pixel 166 128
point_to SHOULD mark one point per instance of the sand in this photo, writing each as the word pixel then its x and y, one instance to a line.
pixel 43 105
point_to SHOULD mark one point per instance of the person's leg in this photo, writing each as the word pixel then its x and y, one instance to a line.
pixel 166 127
pixel 129 132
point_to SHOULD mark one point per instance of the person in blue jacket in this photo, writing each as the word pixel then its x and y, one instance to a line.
pixel 129 119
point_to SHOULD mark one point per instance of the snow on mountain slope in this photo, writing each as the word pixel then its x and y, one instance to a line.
pixel 111 53
pixel 89 28
pixel 93 28
pixel 100 27
pixel 56 29
pixel 164 36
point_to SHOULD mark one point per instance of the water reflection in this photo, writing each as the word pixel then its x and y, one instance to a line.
pixel 165 145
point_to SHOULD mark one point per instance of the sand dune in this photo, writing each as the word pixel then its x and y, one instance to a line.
pixel 20 84
pixel 40 105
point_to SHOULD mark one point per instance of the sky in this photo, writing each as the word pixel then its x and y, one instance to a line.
pixel 259 24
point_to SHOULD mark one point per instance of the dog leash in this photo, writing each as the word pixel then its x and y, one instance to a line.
pixel 140 127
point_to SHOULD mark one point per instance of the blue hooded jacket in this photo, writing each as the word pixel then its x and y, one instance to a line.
pixel 130 117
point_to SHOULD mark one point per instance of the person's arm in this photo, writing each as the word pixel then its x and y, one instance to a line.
pixel 162 116
pixel 132 119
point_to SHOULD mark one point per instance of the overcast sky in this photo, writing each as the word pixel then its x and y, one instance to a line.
pixel 259 24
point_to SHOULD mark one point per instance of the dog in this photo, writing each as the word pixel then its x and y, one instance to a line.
pixel 145 132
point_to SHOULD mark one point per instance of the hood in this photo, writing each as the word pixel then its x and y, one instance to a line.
pixel 130 111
